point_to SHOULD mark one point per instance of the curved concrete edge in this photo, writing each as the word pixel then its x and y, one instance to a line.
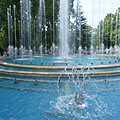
pixel 51 74
pixel 31 66
pixel 57 67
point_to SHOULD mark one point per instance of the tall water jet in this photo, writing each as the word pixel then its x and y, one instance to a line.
pixel 116 34
pixel 15 30
pixel 53 43
pixel 102 45
pixel 41 49
pixel 78 18
pixel 107 50
pixel 99 31
pixel 119 34
pixel 99 40
pixel 97 46
pixel 92 47
pixel 21 28
pixel 45 27
pixel 63 35
pixel 74 36
pixel 111 34
pixel 29 27
pixel 34 36
pixel 10 32
pixel 9 47
pixel 53 48
pixel 41 24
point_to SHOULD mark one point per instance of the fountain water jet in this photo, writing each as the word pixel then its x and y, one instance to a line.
pixel 102 44
pixel 10 32
pixel 79 26
pixel 15 30
pixel 63 35
pixel 119 36
pixel 42 26
pixel 111 34
pixel 107 50
pixel 116 34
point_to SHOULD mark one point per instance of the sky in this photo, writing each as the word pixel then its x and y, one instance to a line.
pixel 96 10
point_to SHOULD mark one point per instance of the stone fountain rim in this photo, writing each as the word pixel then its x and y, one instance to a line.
pixel 56 74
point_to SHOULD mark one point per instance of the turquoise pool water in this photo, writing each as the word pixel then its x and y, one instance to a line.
pixel 49 101
pixel 71 60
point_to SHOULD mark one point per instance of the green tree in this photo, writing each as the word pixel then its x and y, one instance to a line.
pixel 108 33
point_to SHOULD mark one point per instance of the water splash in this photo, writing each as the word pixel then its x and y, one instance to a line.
pixel 96 108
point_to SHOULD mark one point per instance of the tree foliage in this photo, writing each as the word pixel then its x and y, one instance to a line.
pixel 111 31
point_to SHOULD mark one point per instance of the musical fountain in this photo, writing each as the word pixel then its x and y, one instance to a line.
pixel 52 82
